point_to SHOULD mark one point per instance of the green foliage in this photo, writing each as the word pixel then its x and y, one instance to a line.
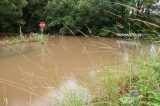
pixel 73 101
pixel 108 31
pixel 33 13
pixel 11 14
pixel 40 38
pixel 138 88
pixel 21 39
pixel 146 85
pixel 98 17
pixel 14 40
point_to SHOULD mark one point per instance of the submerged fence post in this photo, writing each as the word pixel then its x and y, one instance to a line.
pixel 42 31
pixel 20 31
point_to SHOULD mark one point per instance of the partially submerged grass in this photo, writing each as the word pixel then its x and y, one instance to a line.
pixel 21 39
pixel 40 38
pixel 14 40
pixel 72 101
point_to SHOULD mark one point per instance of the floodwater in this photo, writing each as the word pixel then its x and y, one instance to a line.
pixel 35 74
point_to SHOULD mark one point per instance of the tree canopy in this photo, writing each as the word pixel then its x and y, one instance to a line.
pixel 98 17
pixel 11 14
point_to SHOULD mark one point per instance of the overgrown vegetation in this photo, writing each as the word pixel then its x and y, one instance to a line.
pixel 98 17
pixel 140 86
pixel 39 38
pixel 13 40
pixel 35 37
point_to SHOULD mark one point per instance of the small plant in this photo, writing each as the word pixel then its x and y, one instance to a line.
pixel 40 38
pixel 72 101
pixel 72 94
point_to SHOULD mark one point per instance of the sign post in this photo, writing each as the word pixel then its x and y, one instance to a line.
pixel 42 25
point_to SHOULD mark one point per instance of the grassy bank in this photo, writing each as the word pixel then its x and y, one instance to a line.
pixel 144 88
pixel 140 86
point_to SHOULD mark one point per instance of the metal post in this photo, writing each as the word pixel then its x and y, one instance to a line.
pixel 42 31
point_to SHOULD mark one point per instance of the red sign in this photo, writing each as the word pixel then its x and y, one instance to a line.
pixel 42 25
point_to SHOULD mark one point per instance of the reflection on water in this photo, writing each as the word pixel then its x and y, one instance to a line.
pixel 38 75
pixel 126 57
pixel 153 51
pixel 16 49
pixel 63 93
pixel 128 43
pixel 70 89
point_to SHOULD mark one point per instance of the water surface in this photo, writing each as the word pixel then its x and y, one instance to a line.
pixel 34 74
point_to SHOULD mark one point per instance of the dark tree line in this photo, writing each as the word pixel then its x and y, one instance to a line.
pixel 98 17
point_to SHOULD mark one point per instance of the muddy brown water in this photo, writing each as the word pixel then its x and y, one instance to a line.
pixel 32 74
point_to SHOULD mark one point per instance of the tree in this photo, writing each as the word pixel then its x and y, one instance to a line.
pixel 11 12
pixel 33 13
pixel 77 15
pixel 81 16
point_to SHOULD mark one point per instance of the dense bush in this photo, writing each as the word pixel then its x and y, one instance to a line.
pixel 11 14
pixel 98 17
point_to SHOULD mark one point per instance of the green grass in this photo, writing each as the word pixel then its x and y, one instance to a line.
pixel 146 85
pixel 73 100
pixel 40 38
pixel 139 86
pixel 106 92
pixel 21 39
pixel 13 40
